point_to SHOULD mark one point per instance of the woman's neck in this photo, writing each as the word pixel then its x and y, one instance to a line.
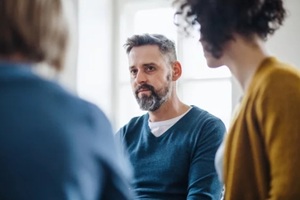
pixel 243 57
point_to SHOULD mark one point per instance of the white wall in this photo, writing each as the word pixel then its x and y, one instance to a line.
pixel 94 70
pixel 285 44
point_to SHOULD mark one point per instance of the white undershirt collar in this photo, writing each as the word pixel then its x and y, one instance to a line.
pixel 158 128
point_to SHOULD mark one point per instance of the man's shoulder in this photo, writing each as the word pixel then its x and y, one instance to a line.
pixel 135 123
pixel 205 119
pixel 202 113
pixel 138 120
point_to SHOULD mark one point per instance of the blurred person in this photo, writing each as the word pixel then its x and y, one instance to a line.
pixel 172 147
pixel 53 145
pixel 260 158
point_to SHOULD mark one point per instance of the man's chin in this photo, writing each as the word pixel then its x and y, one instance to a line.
pixel 145 105
pixel 145 108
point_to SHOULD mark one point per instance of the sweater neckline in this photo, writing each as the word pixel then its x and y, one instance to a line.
pixel 171 128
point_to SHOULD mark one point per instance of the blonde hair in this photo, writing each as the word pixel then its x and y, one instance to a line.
pixel 35 29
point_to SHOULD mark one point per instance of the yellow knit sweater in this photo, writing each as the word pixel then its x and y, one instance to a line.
pixel 262 152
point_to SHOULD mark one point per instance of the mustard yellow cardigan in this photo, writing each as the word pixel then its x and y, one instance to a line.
pixel 262 149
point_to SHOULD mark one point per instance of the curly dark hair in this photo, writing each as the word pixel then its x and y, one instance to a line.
pixel 220 19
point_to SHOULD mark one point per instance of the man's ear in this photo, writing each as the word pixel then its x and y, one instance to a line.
pixel 176 66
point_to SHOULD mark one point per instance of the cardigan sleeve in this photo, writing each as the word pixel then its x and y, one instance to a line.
pixel 279 112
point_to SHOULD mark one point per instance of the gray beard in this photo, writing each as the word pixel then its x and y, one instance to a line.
pixel 151 103
pixel 155 100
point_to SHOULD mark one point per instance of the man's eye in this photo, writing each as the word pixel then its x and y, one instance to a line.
pixel 133 71
pixel 150 68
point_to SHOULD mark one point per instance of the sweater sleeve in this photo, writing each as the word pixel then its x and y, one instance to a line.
pixel 203 180
pixel 279 114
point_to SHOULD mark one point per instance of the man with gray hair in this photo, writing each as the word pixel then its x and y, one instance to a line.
pixel 172 147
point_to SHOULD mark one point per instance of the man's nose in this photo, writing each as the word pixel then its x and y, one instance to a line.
pixel 141 77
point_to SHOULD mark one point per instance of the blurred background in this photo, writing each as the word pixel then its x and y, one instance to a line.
pixel 97 68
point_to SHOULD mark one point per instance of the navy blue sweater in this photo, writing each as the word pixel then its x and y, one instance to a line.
pixel 180 163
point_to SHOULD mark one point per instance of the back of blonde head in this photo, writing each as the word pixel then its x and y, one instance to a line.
pixel 34 29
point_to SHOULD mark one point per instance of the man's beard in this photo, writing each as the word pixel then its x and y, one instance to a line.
pixel 154 100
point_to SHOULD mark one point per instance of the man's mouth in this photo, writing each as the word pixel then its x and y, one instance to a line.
pixel 143 90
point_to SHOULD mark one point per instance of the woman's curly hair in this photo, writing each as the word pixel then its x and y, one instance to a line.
pixel 220 19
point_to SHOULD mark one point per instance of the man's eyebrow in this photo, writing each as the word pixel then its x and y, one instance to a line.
pixel 149 64
pixel 144 65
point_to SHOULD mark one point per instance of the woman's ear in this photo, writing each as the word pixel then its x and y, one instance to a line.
pixel 176 66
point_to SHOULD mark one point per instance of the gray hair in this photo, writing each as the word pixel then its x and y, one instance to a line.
pixel 165 45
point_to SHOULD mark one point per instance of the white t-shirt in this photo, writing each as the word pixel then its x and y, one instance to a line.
pixel 220 152
pixel 159 128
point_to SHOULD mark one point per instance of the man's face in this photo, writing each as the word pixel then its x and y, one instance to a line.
pixel 150 75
